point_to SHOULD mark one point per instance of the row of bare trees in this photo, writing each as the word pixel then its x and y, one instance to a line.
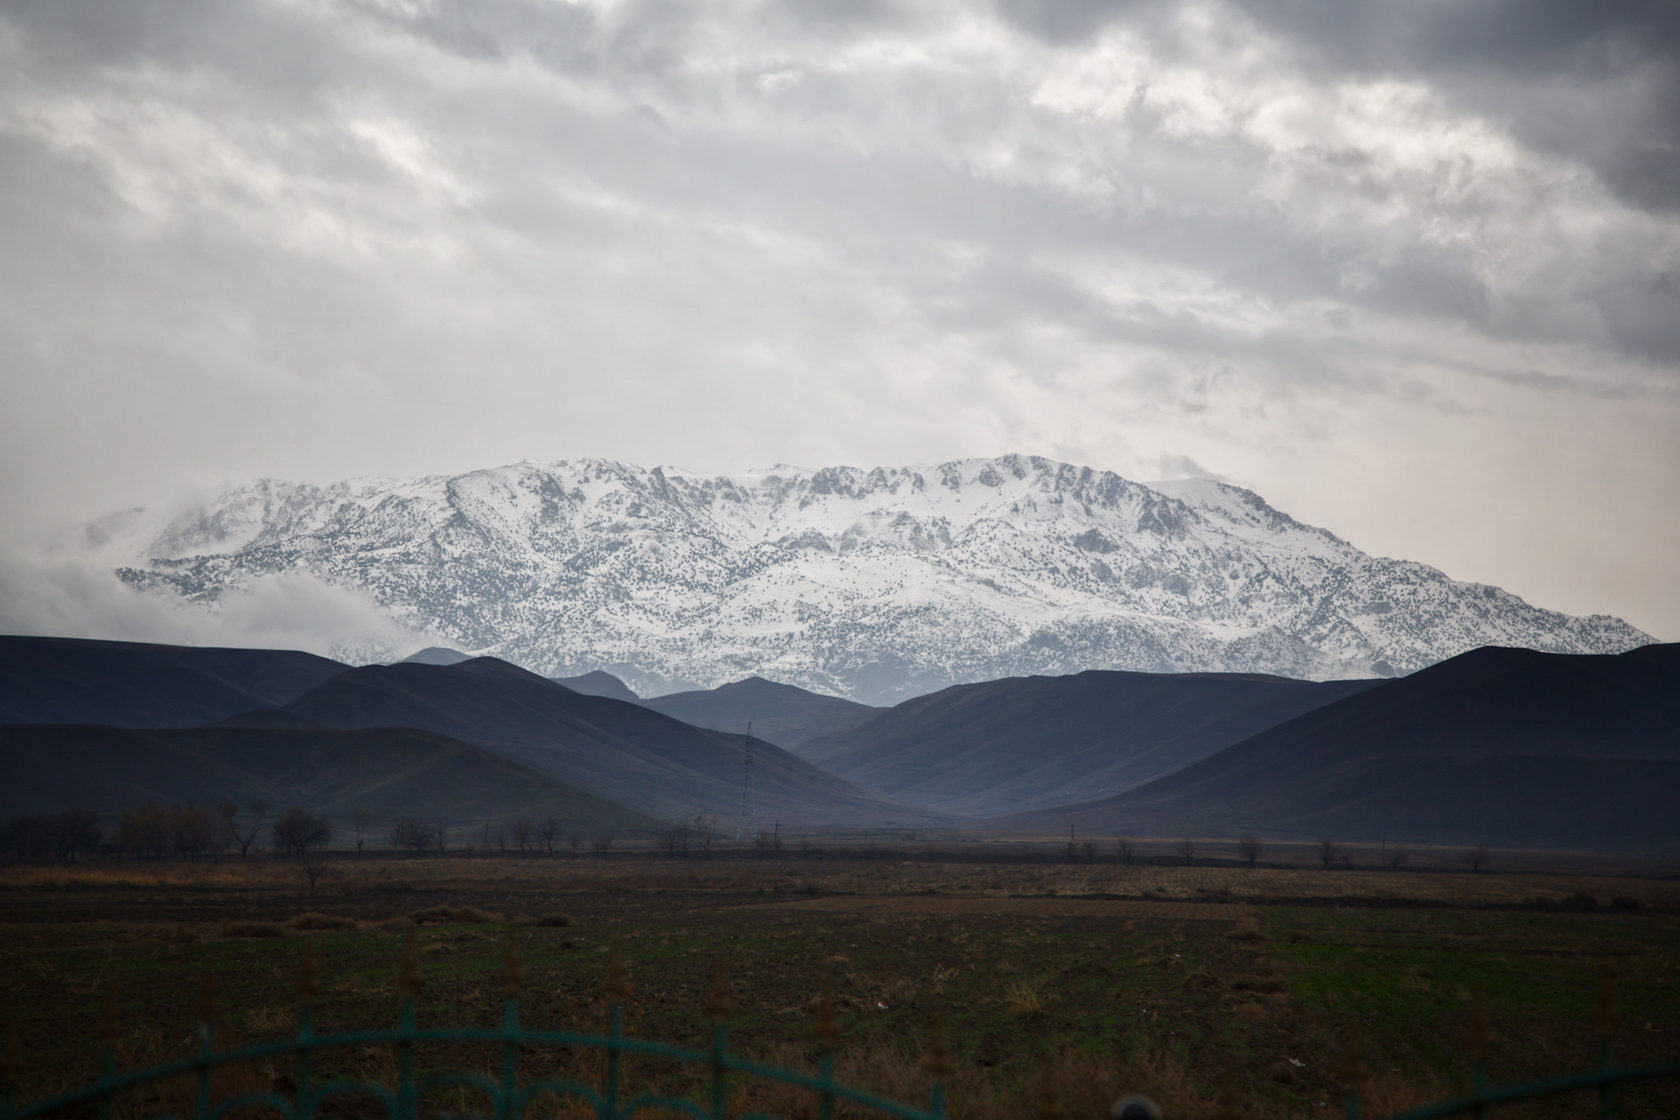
pixel 1330 853
pixel 62 836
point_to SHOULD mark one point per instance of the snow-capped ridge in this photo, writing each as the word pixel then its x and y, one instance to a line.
pixel 871 583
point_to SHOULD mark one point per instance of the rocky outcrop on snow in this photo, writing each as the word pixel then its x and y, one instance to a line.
pixel 875 585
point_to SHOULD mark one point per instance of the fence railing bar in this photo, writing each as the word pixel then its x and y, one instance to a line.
pixel 1589 1079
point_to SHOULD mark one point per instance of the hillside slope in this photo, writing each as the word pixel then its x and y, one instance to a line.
pixel 1032 742
pixel 781 713
pixel 136 684
pixel 1498 746
pixel 390 772
pixel 619 751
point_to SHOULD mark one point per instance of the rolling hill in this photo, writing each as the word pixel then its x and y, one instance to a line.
pixel 1497 746
pixel 390 772
pixel 615 750
pixel 135 684
pixel 1033 742
pixel 781 713
pixel 598 683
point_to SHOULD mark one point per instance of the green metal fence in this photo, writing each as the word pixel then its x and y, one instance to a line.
pixel 505 1096
pixel 1483 1096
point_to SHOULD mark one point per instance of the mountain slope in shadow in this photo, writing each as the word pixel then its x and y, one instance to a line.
pixel 390 772
pixel 619 751
pixel 781 713
pixel 1498 746
pixel 137 684
pixel 1031 742
pixel 597 682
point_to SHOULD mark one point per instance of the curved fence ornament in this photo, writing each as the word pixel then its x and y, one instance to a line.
pixel 1483 1096
pixel 505 1096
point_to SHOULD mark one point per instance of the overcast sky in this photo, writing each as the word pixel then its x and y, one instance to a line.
pixel 1410 271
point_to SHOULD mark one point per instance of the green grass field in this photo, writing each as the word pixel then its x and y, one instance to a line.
pixel 1072 983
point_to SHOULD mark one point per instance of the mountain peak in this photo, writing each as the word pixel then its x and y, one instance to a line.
pixel 875 583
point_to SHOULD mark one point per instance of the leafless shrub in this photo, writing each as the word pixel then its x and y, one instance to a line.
pixel 1328 853
pixel 252 929
pixel 1249 848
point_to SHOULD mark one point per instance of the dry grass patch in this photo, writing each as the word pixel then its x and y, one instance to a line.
pixel 471 915
pixel 315 920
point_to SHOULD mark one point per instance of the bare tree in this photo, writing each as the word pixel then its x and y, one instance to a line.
pixel 224 828
pixel 299 831
pixel 574 838
pixel 705 832
pixel 75 832
pixel 524 833
pixel 1476 858
pixel 1398 858
pixel 548 832
pixel 1125 851
pixel 359 822
pixel 601 843
pixel 1328 853
pixel 1186 849
pixel 256 812
pixel 1249 848
pixel 415 834
pixel 675 839
pixel 312 863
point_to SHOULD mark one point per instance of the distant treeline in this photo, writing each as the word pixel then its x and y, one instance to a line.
pixel 190 832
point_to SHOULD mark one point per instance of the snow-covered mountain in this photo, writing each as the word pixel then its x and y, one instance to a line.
pixel 873 584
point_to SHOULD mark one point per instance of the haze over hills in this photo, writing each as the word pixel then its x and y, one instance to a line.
pixel 874 585
pixel 612 749
pixel 597 683
pixel 436 655
pixel 785 715
pixel 1033 742
pixel 136 684
pixel 1497 746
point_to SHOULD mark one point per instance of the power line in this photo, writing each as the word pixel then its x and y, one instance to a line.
pixel 747 829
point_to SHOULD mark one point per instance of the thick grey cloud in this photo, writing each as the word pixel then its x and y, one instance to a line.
pixel 1408 270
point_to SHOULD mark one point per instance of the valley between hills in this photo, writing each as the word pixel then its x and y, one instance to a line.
pixel 1496 748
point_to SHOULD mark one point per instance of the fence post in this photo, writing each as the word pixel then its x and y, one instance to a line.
pixel 618 993
pixel 1353 1073
pixel 108 1048
pixel 11 1073
pixel 509 1106
pixel 306 989
pixel 1479 1042
pixel 207 1039
pixel 718 1006
pixel 1603 1016
pixel 827 1036
pixel 938 1067
pixel 408 985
